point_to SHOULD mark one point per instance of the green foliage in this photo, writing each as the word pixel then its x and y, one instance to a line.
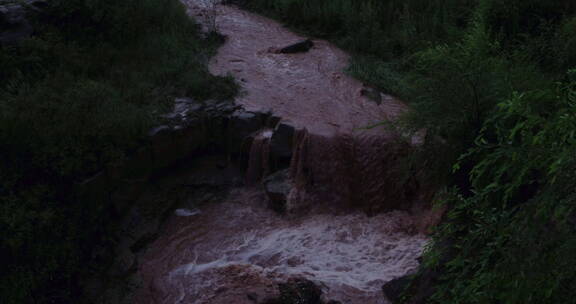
pixel 83 92
pixel 515 235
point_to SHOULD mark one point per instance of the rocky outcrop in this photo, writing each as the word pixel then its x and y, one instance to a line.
pixel 192 130
pixel 187 156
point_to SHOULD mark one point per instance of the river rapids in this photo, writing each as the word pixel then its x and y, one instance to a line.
pixel 237 250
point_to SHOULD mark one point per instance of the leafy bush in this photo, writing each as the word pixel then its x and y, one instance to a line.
pixel 515 235
pixel 83 92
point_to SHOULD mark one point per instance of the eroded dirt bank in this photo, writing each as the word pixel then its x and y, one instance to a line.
pixel 237 250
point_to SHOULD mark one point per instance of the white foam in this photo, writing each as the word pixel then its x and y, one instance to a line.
pixel 186 212
pixel 354 251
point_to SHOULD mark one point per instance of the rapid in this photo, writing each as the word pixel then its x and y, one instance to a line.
pixel 349 229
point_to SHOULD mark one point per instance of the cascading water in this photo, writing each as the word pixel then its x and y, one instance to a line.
pixel 258 157
pixel 237 250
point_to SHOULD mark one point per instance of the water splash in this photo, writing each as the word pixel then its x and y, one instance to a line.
pixel 351 256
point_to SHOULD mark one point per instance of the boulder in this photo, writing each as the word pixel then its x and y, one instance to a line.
pixel 300 47
pixel 394 289
pixel 277 188
pixel 282 141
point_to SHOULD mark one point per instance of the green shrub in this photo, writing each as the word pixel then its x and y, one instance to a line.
pixel 83 92
pixel 515 235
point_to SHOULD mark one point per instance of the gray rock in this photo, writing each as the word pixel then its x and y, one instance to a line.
pixel 277 188
pixel 185 107
pixel 222 108
pixel 282 140
pixel 299 47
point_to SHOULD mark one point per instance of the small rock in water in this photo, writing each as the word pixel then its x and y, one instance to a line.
pixel 186 212
pixel 300 47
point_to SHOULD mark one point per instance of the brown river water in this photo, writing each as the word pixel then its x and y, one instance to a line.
pixel 223 252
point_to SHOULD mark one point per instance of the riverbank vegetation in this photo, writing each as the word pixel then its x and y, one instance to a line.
pixel 83 92
pixel 494 84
